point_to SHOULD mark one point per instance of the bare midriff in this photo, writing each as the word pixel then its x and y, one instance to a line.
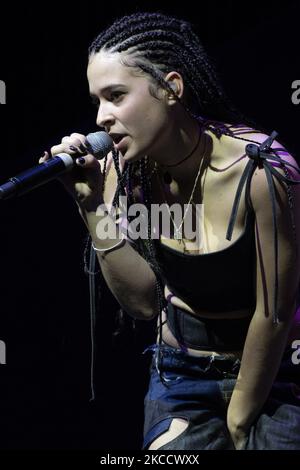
pixel 169 339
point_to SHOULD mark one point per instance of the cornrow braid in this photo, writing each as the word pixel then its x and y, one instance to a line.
pixel 151 38
pixel 161 301
pixel 147 249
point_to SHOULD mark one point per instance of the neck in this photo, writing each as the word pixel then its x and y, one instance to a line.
pixel 183 153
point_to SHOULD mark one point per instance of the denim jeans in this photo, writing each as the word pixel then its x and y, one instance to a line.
pixel 198 390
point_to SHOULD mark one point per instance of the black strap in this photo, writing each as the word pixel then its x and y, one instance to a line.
pixel 258 157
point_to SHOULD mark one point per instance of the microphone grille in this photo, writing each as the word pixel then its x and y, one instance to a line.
pixel 100 143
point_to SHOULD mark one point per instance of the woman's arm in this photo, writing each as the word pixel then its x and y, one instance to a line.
pixel 265 340
pixel 127 274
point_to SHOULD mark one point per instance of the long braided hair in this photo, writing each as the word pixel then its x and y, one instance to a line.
pixel 155 44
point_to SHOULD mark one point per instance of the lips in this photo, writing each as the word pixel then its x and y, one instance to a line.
pixel 118 140
pixel 117 137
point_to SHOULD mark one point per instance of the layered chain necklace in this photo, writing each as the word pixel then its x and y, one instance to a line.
pixel 178 230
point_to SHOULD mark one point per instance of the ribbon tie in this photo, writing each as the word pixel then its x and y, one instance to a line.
pixel 258 158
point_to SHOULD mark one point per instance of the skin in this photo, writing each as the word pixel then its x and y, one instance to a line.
pixel 151 125
pixel 161 128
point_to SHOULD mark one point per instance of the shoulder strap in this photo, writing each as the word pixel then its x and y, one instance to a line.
pixel 258 157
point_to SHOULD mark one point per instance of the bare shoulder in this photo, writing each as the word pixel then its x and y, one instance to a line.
pixel 259 185
pixel 250 135
pixel 244 135
pixel 260 191
pixel 281 151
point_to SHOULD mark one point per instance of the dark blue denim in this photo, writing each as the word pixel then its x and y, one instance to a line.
pixel 198 389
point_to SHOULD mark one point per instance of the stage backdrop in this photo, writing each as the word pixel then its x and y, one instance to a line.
pixel 44 311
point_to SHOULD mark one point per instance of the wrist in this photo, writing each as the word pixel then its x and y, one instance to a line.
pixel 237 424
pixel 238 434
pixel 103 229
pixel 113 245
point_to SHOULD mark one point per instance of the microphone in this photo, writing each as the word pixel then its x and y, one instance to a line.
pixel 98 144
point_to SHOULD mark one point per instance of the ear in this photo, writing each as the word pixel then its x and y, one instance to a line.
pixel 175 81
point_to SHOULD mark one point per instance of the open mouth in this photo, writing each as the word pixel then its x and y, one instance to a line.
pixel 117 139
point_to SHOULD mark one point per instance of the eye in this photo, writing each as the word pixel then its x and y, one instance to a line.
pixel 116 95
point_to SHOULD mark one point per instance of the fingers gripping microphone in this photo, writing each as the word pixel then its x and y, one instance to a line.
pixel 98 144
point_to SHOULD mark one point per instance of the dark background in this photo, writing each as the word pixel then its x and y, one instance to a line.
pixel 44 317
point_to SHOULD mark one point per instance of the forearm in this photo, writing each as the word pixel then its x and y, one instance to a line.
pixel 262 355
pixel 128 276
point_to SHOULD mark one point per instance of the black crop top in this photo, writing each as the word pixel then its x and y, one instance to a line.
pixel 224 280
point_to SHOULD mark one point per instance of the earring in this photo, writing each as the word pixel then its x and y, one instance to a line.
pixel 174 88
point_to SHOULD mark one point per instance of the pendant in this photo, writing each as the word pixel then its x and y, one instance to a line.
pixel 167 178
pixel 178 235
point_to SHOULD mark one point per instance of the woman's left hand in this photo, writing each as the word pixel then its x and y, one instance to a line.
pixel 239 439
pixel 238 433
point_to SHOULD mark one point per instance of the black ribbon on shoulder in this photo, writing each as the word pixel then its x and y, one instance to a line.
pixel 259 156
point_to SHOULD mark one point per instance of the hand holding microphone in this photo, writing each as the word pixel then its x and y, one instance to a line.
pixel 74 162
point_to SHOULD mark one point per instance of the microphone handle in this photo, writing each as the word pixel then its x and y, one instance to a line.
pixel 36 176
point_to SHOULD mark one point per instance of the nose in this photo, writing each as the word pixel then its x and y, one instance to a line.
pixel 104 117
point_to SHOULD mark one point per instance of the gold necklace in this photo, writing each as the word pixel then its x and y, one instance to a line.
pixel 178 230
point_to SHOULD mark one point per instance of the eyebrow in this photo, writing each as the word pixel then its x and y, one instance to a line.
pixel 107 88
